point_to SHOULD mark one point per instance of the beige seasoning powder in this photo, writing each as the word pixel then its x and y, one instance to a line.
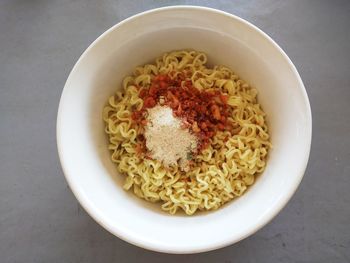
pixel 166 140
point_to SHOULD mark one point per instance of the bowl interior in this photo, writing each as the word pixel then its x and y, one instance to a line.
pixel 226 40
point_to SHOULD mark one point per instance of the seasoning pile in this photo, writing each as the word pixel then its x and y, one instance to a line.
pixel 166 140
pixel 179 119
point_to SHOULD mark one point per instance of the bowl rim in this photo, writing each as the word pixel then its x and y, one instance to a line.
pixel 123 234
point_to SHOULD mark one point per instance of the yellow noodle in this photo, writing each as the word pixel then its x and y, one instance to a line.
pixel 221 172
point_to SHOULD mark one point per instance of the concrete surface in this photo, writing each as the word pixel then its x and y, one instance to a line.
pixel 41 221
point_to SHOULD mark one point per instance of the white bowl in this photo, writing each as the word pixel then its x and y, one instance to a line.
pixel 228 40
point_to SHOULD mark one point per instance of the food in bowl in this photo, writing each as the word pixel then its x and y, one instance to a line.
pixel 227 40
pixel 187 135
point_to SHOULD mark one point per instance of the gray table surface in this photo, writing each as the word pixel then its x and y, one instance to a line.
pixel 41 221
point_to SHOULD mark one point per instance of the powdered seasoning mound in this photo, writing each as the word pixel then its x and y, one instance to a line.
pixel 166 140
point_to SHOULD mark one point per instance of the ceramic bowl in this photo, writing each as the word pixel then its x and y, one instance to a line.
pixel 227 40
